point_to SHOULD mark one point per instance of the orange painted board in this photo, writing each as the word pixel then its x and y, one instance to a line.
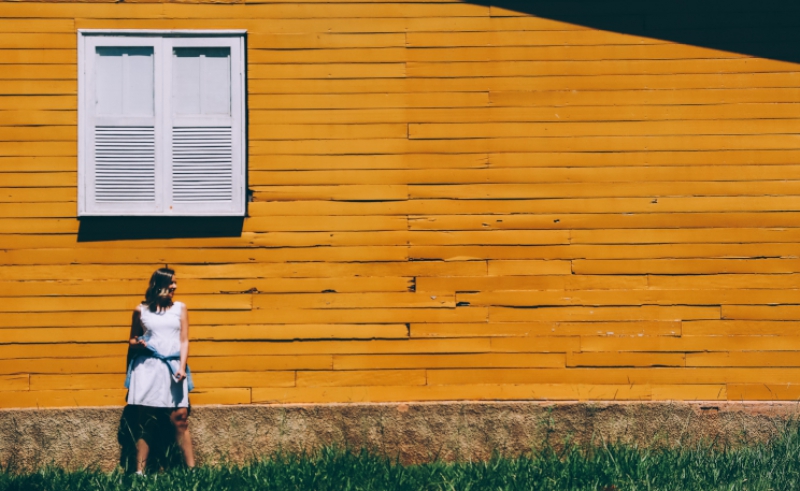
pixel 751 358
pixel 361 378
pixel 763 392
pixel 446 360
pixel 462 392
pixel 739 327
pixel 535 298
pixel 647 313
pixel 551 328
pixel 247 271
pixel 202 349
pixel 628 375
pixel 691 343
pixel 353 300
pixel 22 288
pixel 296 332
pixel 624 359
pixel 221 396
pixel 63 398
pixel 536 344
pixel 14 382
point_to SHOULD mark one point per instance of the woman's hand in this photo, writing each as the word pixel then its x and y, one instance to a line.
pixel 138 342
pixel 180 375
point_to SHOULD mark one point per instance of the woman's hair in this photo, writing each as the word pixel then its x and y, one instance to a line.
pixel 158 290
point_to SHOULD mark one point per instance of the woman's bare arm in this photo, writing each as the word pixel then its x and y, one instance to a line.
pixel 184 344
pixel 136 328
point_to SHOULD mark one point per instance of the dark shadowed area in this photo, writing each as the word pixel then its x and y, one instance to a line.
pixel 131 228
pixel 766 29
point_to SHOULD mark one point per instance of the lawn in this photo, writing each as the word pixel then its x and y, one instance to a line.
pixel 770 466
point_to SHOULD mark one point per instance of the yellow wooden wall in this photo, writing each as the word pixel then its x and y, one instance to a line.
pixel 450 201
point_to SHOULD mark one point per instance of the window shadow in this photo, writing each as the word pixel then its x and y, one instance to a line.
pixel 764 28
pixel 96 229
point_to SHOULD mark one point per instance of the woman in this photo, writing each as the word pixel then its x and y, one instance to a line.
pixel 158 379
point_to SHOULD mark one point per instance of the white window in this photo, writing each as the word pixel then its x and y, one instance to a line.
pixel 161 123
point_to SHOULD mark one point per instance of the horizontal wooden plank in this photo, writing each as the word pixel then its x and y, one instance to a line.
pixel 523 206
pixel 524 38
pixel 391 77
pixel 593 252
pixel 37 25
pixel 743 359
pixel 39 56
pixel 763 392
pixel 511 175
pixel 719 282
pixel 201 380
pixel 38 40
pixel 547 328
pixel 691 343
pixel 278 285
pixel 684 236
pixel 624 359
pixel 685 266
pixel 264 11
pixel 489 360
pixel 514 145
pixel 361 378
pixel 601 128
pixel 738 328
pixel 536 298
pixel 116 365
pixel 248 271
pixel 259 317
pixel 646 312
pixel 63 398
pixel 264 54
pixel 314 24
pixel 354 300
pixel 761 312
pixel 569 51
pixel 327 131
pixel 462 392
pixel 261 363
pixel 260 40
pixel 207 333
pixel 38 72
pixel 528 112
pixel 200 256
pixel 221 396
pixel 354 193
pixel 14 382
pixel 335 101
pixel 643 96
pixel 121 303
pixel 628 375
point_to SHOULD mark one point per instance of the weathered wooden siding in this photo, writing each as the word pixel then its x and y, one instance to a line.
pixel 450 201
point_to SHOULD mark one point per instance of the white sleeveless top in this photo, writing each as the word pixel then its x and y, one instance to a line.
pixel 151 381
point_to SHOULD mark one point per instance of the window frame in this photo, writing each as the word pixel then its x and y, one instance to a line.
pixel 162 208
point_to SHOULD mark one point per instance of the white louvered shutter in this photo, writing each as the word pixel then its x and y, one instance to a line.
pixel 161 123
pixel 120 135
pixel 204 127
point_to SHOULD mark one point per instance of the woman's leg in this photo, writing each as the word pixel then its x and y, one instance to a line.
pixel 180 418
pixel 142 448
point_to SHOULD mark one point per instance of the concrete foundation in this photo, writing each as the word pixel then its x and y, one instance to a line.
pixel 416 432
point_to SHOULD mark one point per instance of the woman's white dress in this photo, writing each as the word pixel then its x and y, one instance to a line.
pixel 151 382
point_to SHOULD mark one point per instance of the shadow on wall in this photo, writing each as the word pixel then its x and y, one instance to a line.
pixel 94 229
pixel 156 430
pixel 764 28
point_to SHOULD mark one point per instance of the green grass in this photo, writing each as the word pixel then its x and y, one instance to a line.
pixel 770 466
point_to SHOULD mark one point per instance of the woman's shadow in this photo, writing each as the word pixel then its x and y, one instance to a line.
pixel 157 430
